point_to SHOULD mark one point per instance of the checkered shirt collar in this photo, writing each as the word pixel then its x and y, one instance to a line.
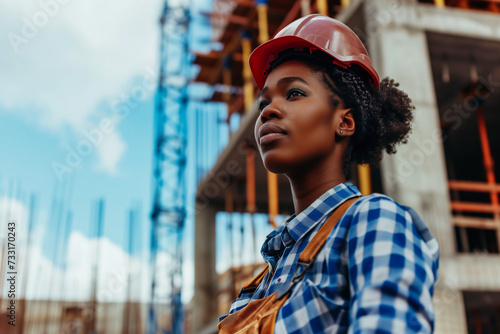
pixel 297 226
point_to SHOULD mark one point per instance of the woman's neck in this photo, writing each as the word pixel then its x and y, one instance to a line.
pixel 309 184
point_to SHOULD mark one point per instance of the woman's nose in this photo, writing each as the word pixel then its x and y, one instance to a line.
pixel 271 111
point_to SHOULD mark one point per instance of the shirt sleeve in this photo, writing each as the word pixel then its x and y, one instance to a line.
pixel 391 271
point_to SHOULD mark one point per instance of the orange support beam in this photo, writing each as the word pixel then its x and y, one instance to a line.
pixel 272 190
pixel 229 199
pixel 487 158
pixel 475 207
pixel 250 159
pixel 493 7
pixel 251 205
pixel 473 186
pixel 226 80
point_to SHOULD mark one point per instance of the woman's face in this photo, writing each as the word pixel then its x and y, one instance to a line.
pixel 297 123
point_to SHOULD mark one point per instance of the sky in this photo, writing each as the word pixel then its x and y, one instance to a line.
pixel 77 88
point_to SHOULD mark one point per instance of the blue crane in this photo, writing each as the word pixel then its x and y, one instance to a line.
pixel 169 199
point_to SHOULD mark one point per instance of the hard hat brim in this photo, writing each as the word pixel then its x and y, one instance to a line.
pixel 264 54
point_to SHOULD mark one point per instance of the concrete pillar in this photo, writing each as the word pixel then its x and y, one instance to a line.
pixel 449 311
pixel 416 175
pixel 205 280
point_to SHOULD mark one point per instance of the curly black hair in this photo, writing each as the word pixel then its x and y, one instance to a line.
pixel 383 118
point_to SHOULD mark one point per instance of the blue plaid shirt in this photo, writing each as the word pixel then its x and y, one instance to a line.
pixel 375 273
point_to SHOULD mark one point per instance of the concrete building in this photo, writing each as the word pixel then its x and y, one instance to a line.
pixel 447 58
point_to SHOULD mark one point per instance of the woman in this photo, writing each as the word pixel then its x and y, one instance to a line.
pixel 341 264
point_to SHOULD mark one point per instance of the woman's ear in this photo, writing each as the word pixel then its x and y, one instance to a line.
pixel 346 124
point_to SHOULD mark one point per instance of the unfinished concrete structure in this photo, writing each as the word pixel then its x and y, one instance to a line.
pixel 446 56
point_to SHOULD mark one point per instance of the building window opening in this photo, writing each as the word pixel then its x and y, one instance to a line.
pixel 484 5
pixel 482 309
pixel 476 240
pixel 467 83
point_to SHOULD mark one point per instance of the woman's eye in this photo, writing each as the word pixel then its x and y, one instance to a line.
pixel 295 92
pixel 262 105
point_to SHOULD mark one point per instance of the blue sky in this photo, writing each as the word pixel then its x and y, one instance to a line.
pixel 76 125
pixel 28 152
pixel 59 85
pixel 68 66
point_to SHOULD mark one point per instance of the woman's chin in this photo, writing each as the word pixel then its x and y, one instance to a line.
pixel 276 166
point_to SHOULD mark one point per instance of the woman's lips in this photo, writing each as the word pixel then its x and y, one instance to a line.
pixel 270 137
pixel 270 132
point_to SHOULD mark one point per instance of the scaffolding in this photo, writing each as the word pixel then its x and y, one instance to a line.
pixel 438 33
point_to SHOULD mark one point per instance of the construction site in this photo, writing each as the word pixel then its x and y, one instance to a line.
pixel 207 169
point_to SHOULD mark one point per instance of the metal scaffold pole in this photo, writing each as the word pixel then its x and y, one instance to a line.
pixel 169 199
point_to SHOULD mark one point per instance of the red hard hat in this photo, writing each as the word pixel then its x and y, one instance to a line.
pixel 317 32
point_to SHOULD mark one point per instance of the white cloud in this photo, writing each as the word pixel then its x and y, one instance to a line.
pixel 12 210
pixel 113 271
pixel 84 54
pixel 76 283
pixel 110 152
pixel 45 280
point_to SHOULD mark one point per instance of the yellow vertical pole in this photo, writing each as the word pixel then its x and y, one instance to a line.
pixel 365 183
pixel 246 48
pixel 263 28
pixel 272 190
pixel 322 6
pixel 439 3
pixel 345 3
